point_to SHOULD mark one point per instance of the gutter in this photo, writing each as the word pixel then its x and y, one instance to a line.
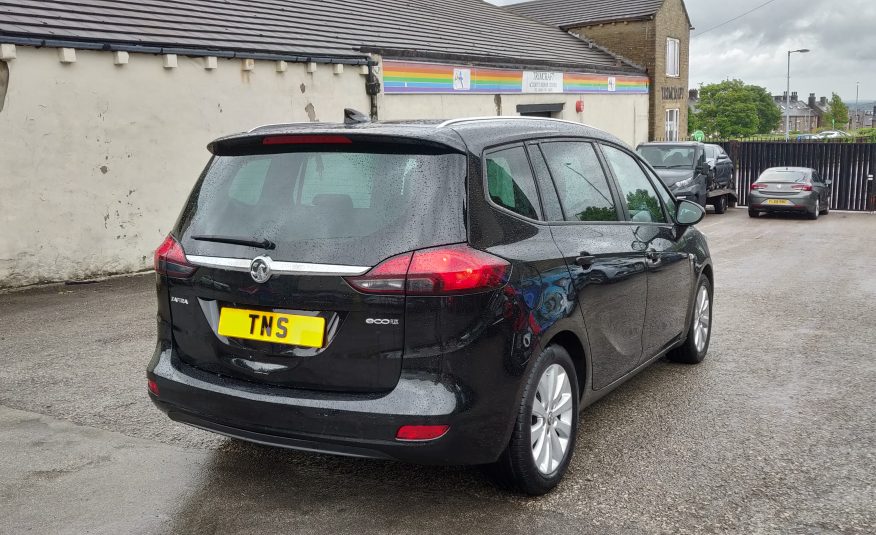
pixel 107 46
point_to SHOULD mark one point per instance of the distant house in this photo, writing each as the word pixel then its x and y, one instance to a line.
pixel 652 33
pixel 801 117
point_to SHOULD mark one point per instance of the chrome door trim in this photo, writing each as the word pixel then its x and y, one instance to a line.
pixel 278 267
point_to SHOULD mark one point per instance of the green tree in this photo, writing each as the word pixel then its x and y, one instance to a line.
pixel 838 113
pixel 734 109
pixel 643 201
pixel 594 213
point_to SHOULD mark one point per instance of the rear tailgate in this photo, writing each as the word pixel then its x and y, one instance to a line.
pixel 302 216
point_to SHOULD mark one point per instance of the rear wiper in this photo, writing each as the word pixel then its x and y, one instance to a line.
pixel 264 244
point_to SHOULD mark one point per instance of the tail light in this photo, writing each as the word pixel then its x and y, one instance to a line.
pixel 307 140
pixel 170 260
pixel 454 269
pixel 387 277
pixel 153 387
pixel 421 432
pixel 802 187
pixel 756 186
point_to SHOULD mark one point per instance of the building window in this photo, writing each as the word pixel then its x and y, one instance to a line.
pixel 672 125
pixel 672 57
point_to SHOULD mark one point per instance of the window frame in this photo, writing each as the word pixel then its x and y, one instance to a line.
pixel 676 122
pixel 677 57
pixel 670 221
pixel 485 183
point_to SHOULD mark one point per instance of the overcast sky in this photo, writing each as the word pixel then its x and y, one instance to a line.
pixel 840 33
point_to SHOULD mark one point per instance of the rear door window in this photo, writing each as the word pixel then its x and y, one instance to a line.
pixel 510 182
pixel 354 207
pixel 580 181
pixel 639 194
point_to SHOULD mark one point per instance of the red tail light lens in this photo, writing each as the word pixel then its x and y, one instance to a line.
pixel 170 260
pixel 802 187
pixel 453 269
pixel 421 432
pixel 758 186
pixel 387 277
pixel 306 140
pixel 153 387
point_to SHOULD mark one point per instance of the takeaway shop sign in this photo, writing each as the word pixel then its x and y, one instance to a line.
pixel 542 82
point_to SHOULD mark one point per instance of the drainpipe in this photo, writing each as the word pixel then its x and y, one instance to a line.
pixel 372 88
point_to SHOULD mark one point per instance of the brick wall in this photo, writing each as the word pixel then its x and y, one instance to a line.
pixel 671 21
pixel 644 42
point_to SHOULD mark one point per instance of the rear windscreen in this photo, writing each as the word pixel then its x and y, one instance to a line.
pixel 354 208
pixel 783 176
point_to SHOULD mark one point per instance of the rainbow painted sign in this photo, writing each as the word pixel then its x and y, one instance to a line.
pixel 404 77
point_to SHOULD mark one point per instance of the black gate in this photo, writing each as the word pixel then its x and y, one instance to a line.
pixel 849 165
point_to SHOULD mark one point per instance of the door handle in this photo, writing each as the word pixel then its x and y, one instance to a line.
pixel 585 260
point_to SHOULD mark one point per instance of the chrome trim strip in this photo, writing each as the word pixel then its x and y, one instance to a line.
pixel 277 267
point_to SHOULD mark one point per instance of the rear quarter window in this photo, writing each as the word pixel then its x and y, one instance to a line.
pixel 510 182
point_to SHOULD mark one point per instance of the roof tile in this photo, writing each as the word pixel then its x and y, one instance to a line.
pixel 455 29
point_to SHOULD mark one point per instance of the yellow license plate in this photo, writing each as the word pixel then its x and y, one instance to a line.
pixel 777 201
pixel 307 331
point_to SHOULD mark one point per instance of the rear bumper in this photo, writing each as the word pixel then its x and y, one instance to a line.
pixel 359 425
pixel 798 204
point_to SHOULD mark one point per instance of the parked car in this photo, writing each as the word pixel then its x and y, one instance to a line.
pixel 721 166
pixel 447 293
pixel 832 134
pixel 790 189
pixel 685 168
pixel 807 137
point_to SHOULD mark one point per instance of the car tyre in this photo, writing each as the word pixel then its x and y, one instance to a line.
pixel 720 204
pixel 815 211
pixel 517 468
pixel 826 209
pixel 695 347
pixel 752 213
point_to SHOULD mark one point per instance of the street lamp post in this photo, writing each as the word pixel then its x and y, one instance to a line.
pixel 857 89
pixel 788 94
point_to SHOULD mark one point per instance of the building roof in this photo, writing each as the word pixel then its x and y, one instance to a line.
pixel 798 108
pixel 572 13
pixel 308 30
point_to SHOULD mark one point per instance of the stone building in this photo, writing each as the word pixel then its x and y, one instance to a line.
pixel 651 33
pixel 106 107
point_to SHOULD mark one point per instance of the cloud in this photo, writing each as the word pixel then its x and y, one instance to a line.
pixel 840 35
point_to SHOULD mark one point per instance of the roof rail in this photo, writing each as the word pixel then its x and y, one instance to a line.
pixel 506 118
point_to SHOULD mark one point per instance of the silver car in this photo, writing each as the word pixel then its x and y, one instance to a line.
pixel 790 190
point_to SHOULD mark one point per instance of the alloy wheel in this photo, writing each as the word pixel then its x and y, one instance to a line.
pixel 551 419
pixel 702 319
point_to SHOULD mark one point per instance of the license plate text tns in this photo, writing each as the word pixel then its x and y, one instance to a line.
pixel 307 331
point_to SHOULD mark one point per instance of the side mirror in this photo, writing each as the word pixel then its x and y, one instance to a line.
pixel 689 213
